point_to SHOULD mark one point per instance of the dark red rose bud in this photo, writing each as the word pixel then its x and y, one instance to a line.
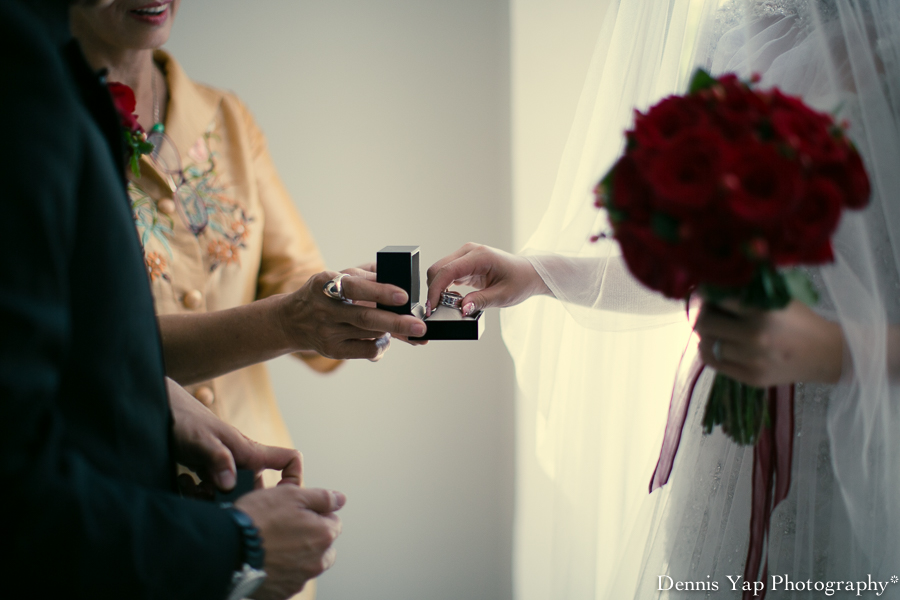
pixel 852 179
pixel 654 262
pixel 716 256
pixel 770 186
pixel 811 225
pixel 125 103
pixel 667 120
pixel 808 132
pixel 686 175
pixel 630 193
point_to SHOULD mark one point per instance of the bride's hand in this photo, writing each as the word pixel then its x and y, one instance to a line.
pixel 502 279
pixel 771 347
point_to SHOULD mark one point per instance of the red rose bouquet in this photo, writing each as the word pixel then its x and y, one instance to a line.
pixel 720 192
pixel 135 138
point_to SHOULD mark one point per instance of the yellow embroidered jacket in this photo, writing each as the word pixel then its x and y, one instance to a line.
pixel 254 245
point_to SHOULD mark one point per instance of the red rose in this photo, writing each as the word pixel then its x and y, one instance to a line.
pixel 686 175
pixel 778 99
pixel 805 236
pixel 737 110
pixel 666 120
pixel 809 134
pixel 851 177
pixel 125 103
pixel 764 186
pixel 654 262
pixel 717 256
pixel 630 194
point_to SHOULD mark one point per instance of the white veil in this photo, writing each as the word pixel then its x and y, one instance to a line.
pixel 595 370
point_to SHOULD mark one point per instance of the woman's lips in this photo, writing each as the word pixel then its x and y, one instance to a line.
pixel 152 14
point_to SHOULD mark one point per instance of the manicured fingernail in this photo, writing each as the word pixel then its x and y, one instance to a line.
pixel 468 309
pixel 428 308
pixel 225 479
pixel 418 330
pixel 339 499
pixel 399 297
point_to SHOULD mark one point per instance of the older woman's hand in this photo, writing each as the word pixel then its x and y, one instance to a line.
pixel 356 329
pixel 502 279
pixel 774 347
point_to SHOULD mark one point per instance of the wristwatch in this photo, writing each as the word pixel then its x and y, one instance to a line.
pixel 250 576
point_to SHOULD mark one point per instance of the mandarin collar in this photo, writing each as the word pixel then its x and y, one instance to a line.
pixel 191 107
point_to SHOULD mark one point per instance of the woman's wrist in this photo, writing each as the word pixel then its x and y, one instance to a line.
pixel 830 361
pixel 537 286
pixel 285 319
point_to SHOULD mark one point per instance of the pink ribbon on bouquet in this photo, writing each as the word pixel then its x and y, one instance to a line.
pixel 771 456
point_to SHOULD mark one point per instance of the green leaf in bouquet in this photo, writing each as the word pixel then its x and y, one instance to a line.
pixel 836 112
pixel 606 186
pixel 779 295
pixel 765 130
pixel 800 287
pixel 665 226
pixel 616 216
pixel 786 151
pixel 767 290
pixel 716 294
pixel 767 283
pixel 701 81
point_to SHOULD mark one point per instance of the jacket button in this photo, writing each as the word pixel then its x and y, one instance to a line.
pixel 166 206
pixel 193 299
pixel 205 395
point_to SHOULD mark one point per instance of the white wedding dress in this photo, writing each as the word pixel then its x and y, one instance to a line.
pixel 597 368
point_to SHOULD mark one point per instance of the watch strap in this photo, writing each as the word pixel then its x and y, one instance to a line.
pixel 253 552
pixel 250 575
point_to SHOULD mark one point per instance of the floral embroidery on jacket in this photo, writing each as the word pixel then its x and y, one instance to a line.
pixel 228 222
pixel 222 253
pixel 151 224
pixel 227 230
pixel 156 266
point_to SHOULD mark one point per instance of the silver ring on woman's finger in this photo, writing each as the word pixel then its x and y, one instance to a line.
pixel 383 343
pixel 334 289
pixel 717 350
pixel 451 299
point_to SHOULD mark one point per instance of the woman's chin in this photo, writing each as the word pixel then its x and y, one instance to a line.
pixel 143 36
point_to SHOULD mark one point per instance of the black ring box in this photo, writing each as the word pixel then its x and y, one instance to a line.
pixel 399 265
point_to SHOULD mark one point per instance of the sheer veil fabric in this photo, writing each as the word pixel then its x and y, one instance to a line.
pixel 596 369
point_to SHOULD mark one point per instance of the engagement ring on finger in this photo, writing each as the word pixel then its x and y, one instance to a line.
pixel 334 289
pixel 717 350
pixel 451 299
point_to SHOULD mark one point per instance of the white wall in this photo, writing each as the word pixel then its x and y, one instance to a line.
pixel 389 122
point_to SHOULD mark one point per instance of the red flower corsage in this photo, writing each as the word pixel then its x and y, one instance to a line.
pixel 135 137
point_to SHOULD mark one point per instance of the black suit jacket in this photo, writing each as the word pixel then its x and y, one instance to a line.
pixel 87 507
